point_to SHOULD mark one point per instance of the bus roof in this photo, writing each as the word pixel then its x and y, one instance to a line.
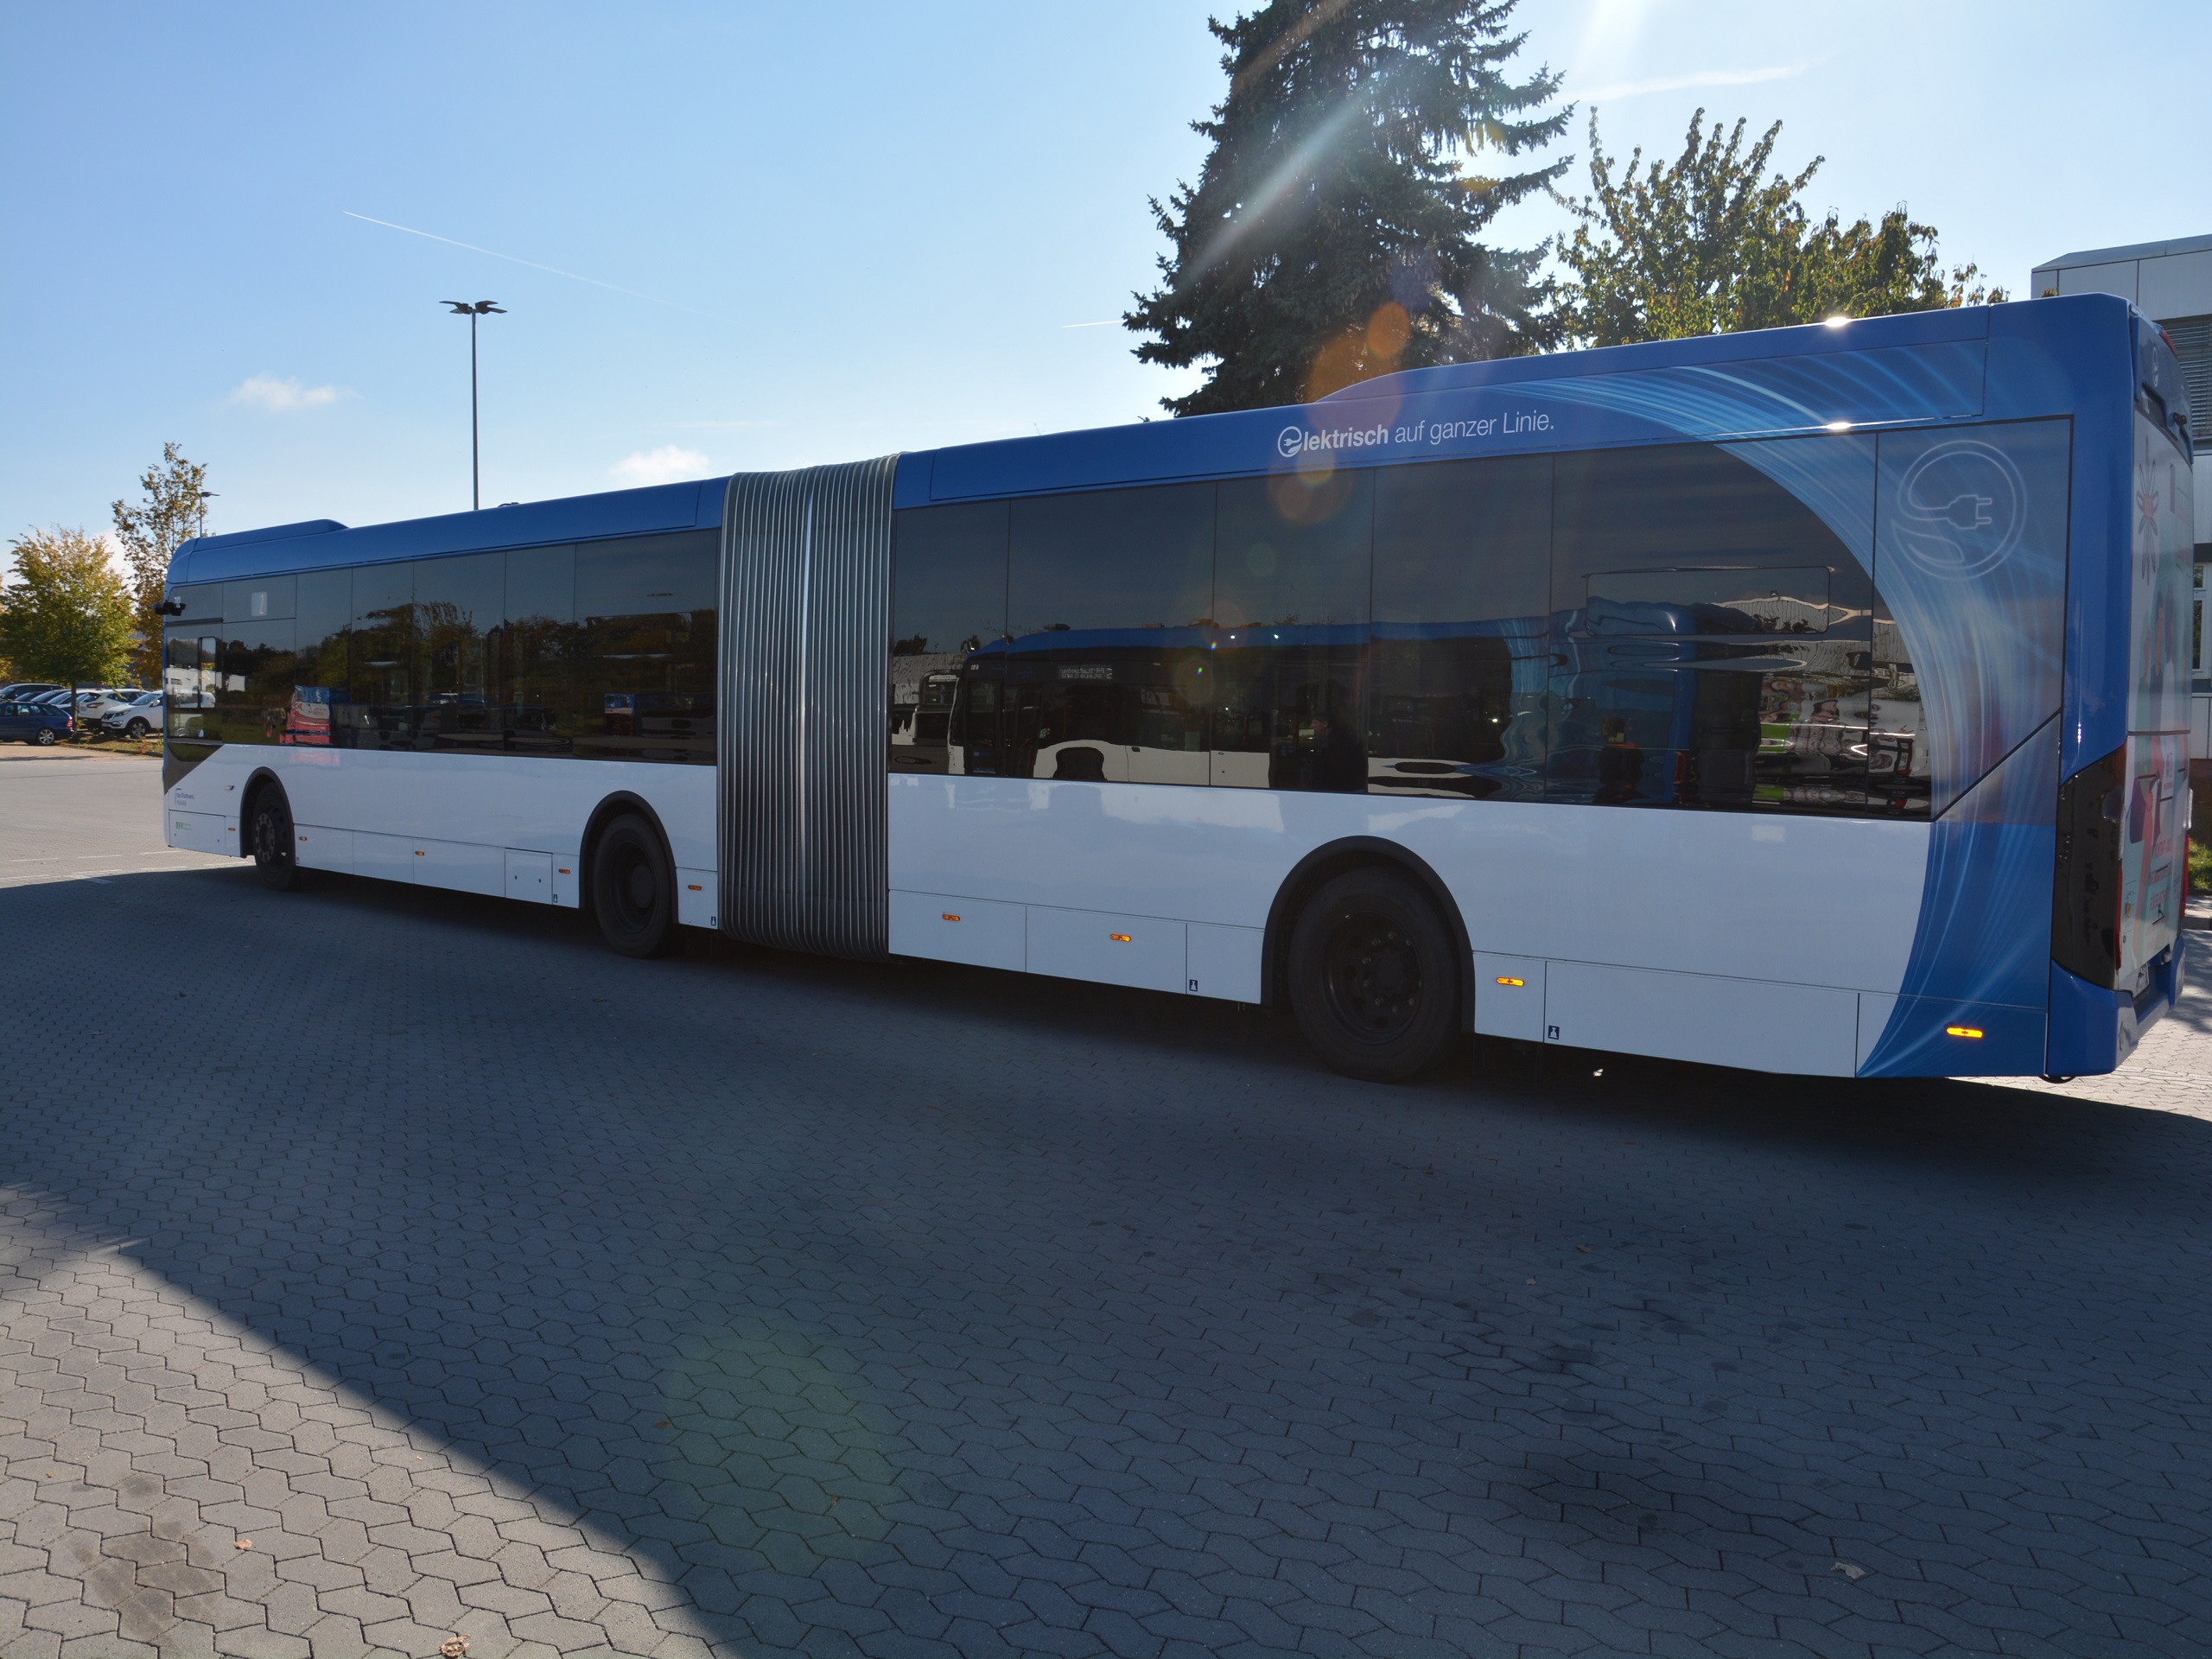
pixel 1917 367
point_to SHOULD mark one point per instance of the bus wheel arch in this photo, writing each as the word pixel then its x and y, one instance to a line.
pixel 1324 867
pixel 273 846
pixel 624 827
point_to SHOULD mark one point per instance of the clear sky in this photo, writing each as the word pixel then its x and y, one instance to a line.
pixel 817 233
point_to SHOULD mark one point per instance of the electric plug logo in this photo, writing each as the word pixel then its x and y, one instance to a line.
pixel 1960 510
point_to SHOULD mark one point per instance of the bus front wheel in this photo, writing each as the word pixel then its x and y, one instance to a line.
pixel 270 840
pixel 633 889
pixel 1373 977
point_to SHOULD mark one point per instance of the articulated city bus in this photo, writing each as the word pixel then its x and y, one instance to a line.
pixel 1812 701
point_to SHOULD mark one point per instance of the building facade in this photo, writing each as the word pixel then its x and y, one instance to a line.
pixel 2171 282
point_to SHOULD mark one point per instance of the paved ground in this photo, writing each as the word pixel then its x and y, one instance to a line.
pixel 485 1283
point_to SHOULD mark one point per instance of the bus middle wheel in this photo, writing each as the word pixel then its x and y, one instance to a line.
pixel 1373 977
pixel 633 889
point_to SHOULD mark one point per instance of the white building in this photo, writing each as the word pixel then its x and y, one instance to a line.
pixel 2172 283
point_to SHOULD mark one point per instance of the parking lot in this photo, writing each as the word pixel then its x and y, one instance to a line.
pixel 380 1266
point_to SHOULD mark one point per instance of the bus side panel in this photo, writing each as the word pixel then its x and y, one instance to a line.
pixel 1712 897
pixel 423 804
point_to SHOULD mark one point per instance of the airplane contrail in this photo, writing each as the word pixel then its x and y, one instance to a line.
pixel 556 270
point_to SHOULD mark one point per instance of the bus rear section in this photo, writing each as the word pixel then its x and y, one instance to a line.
pixel 2122 864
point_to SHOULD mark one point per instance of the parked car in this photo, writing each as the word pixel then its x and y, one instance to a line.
pixel 139 717
pixel 93 708
pixel 34 722
pixel 23 688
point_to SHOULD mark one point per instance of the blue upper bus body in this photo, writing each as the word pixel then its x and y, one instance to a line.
pixel 1778 613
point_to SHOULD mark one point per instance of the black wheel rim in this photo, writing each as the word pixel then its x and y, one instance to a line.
pixel 268 839
pixel 1373 973
pixel 630 886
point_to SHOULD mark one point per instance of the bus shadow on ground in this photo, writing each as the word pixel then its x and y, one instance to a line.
pixel 905 1301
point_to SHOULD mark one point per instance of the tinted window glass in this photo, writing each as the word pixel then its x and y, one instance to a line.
pixel 1106 597
pixel 1294 550
pixel 1287 704
pixel 1711 631
pixel 1111 559
pixel 457 606
pixel 324 608
pixel 257 599
pixel 538 651
pixel 381 712
pixel 189 679
pixel 645 613
pixel 948 597
pixel 202 602
pixel 253 687
pixel 1461 632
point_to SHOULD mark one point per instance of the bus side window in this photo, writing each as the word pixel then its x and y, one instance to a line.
pixel 948 599
pixel 1462 646
pixel 1712 632
pixel 1292 568
pixel 646 608
pixel 972 730
pixel 1106 597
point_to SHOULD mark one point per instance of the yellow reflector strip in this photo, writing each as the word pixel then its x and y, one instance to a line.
pixel 1119 939
pixel 949 917
pixel 1507 979
pixel 1962 1031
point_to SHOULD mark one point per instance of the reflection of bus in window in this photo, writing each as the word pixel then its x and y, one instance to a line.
pixel 1522 697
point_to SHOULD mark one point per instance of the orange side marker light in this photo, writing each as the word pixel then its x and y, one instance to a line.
pixel 949 917
pixel 1507 979
pixel 1119 939
pixel 1962 1031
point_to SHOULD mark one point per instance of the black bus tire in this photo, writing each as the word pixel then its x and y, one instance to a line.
pixel 1373 976
pixel 633 889
pixel 270 841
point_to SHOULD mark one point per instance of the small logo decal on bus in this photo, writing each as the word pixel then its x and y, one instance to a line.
pixel 1961 509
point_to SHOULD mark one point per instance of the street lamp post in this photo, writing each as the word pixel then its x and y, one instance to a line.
pixel 204 497
pixel 479 309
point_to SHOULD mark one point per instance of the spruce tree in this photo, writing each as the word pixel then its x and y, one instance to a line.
pixel 1332 233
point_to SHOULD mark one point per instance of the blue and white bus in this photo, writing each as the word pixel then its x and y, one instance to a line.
pixel 1810 700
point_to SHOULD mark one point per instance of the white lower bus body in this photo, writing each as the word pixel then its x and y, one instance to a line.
pixel 1776 944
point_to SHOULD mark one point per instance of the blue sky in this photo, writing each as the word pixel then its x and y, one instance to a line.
pixel 819 233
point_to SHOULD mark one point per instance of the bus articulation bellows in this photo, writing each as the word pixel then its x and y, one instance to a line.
pixel 1812 701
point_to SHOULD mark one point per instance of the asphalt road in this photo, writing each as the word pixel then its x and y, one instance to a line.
pixel 395 1265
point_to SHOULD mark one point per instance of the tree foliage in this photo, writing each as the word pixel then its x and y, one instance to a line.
pixel 66 616
pixel 1332 233
pixel 169 511
pixel 1712 244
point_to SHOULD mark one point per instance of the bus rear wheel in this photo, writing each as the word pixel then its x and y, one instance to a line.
pixel 1373 977
pixel 270 842
pixel 633 888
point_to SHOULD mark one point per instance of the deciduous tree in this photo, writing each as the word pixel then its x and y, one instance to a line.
pixel 1335 230
pixel 169 511
pixel 66 615
pixel 1711 243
